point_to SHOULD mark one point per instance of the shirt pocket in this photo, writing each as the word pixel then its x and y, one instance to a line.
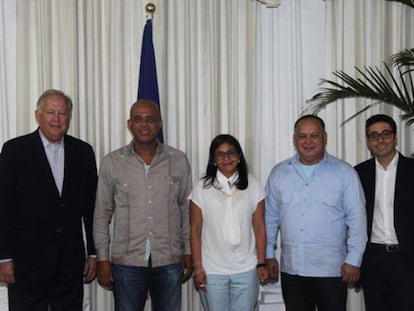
pixel 172 183
pixel 330 196
pixel 332 215
pixel 174 219
pixel 121 216
pixel 121 194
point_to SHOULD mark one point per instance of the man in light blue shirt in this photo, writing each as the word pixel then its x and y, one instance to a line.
pixel 317 203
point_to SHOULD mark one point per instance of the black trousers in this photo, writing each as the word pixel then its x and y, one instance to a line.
pixel 306 293
pixel 61 291
pixel 59 295
pixel 388 280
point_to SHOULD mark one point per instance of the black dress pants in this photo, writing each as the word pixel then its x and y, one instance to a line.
pixel 306 293
pixel 388 280
pixel 58 295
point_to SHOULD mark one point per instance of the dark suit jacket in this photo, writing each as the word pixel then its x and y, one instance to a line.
pixel 40 229
pixel 403 201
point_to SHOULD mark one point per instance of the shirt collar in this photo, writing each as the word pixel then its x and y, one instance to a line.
pixel 393 163
pixel 160 147
pixel 326 158
pixel 225 183
pixel 47 143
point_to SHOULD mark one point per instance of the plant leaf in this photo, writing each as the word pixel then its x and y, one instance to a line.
pixel 394 89
pixel 407 2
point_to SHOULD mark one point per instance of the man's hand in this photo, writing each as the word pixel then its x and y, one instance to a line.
pixel 7 272
pixel 89 271
pixel 104 273
pixel 349 273
pixel 272 269
pixel 186 268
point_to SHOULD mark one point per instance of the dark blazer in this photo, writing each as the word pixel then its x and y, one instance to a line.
pixel 403 201
pixel 40 229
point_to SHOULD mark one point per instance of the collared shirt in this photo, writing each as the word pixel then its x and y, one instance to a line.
pixel 228 243
pixel 321 218
pixel 56 156
pixel 150 205
pixel 383 230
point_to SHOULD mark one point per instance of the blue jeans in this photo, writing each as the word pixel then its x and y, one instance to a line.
pixel 234 292
pixel 131 286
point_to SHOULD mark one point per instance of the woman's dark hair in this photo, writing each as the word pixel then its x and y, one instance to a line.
pixel 242 182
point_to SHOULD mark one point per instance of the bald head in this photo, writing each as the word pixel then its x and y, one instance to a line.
pixel 145 103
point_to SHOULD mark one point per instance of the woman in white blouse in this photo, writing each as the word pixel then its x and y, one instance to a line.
pixel 228 235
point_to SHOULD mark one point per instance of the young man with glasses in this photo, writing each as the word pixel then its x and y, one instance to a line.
pixel 388 265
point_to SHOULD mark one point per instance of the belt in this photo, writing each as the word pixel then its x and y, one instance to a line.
pixel 389 248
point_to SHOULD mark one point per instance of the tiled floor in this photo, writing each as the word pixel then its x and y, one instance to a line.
pixel 3 298
pixel 270 298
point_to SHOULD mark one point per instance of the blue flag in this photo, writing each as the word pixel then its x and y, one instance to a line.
pixel 147 81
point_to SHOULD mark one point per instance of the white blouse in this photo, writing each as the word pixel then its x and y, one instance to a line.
pixel 228 244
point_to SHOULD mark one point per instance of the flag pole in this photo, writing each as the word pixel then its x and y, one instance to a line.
pixel 147 79
pixel 150 9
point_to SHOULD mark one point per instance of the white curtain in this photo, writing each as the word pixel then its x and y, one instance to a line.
pixel 290 61
pixel 230 66
pixel 7 69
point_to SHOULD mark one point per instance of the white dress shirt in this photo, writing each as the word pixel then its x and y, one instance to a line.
pixel 383 231
pixel 55 155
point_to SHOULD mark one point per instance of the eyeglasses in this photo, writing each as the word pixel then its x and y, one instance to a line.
pixel 220 156
pixel 374 136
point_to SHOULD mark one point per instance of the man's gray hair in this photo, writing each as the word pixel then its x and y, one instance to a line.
pixel 52 92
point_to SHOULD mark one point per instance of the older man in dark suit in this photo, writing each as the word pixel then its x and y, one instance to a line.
pixel 387 269
pixel 47 192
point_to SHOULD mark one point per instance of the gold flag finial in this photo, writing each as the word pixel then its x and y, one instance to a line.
pixel 150 9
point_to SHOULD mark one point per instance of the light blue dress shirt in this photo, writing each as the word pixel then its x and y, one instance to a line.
pixel 321 218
